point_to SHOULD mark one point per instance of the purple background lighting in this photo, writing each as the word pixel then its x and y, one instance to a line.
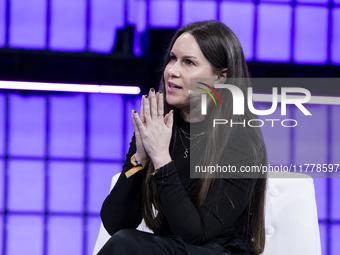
pixel 74 120
pixel 198 10
pixel 2 195
pixel 311 136
pixel 27 229
pixel 323 235
pixel 335 239
pixel 2 120
pixel 335 53
pixel 100 174
pixel 106 17
pixel 106 139
pixel 311 35
pixel 28 24
pixel 21 118
pixel 313 1
pixel 68 25
pixel 66 186
pixel 274 37
pixel 277 154
pixel 320 195
pixel 335 157
pixel 276 30
pixel 72 184
pixel 336 204
pixel 65 235
pixel 1 232
pixel 92 233
pixel 2 23
pixel 164 14
pixel 26 185
pixel 231 14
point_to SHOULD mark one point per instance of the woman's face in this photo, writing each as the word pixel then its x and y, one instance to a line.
pixel 186 61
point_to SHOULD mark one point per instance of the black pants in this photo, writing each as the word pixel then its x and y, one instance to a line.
pixel 135 242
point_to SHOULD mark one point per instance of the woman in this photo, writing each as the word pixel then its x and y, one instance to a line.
pixel 194 216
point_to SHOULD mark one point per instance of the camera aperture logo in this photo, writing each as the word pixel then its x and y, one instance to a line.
pixel 238 104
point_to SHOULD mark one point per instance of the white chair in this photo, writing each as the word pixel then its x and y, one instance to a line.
pixel 291 216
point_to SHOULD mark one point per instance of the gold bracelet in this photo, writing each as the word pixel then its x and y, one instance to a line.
pixel 161 167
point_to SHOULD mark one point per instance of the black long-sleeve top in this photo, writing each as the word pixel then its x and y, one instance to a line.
pixel 223 217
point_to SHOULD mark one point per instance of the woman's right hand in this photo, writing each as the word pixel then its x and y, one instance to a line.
pixel 141 154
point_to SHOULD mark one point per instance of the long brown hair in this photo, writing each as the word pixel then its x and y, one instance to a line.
pixel 223 50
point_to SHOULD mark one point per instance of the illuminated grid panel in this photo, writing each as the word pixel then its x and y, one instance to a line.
pixel 29 230
pixel 313 1
pixel 230 14
pixel 106 136
pixel 137 16
pixel 335 159
pixel 323 237
pixel 1 232
pixel 303 31
pixel 56 200
pixel 26 185
pixel 2 194
pixel 66 186
pixel 65 235
pixel 335 235
pixel 311 35
pixel 74 120
pixel 164 14
pixel 68 25
pixel 2 120
pixel 21 109
pixel 106 18
pixel 276 154
pixel 274 37
pixel 320 185
pixel 92 233
pixel 315 140
pixel 311 136
pixel 55 191
pixel 198 11
pixel 100 174
pixel 28 24
pixel 2 23
pixel 335 51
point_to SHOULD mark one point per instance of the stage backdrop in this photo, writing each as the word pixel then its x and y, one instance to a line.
pixel 301 31
pixel 58 153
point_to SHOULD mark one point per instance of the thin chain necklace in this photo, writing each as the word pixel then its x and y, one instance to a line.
pixel 187 149
pixel 191 136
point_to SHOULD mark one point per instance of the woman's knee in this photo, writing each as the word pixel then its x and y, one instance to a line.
pixel 122 242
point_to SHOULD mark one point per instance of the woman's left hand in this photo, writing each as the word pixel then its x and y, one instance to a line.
pixel 156 133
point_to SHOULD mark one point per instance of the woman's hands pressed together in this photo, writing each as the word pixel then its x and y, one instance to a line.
pixel 141 154
pixel 152 130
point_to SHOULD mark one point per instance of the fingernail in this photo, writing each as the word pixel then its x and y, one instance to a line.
pixel 152 89
pixel 160 92
pixel 172 111
pixel 146 96
pixel 135 111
